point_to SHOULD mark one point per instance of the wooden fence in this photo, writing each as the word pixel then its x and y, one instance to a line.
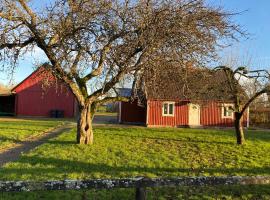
pixel 138 183
pixel 260 118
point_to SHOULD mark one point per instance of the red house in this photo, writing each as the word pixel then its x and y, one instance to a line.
pixel 165 104
pixel 33 97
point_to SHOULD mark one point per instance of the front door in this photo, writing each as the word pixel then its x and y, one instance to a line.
pixel 194 115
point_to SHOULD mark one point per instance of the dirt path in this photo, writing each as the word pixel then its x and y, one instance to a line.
pixel 14 152
pixel 105 119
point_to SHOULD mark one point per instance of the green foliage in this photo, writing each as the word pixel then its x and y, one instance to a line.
pixel 18 130
pixel 130 152
pixel 102 108
pixel 105 109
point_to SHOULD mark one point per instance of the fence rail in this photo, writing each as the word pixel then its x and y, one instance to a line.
pixel 138 183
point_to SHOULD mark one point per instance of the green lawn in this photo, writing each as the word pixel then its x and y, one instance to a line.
pixel 113 114
pixel 131 152
pixel 254 192
pixel 16 130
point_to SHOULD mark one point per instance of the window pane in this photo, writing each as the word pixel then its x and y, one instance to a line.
pixel 229 113
pixel 225 111
pixel 171 109
pixel 165 108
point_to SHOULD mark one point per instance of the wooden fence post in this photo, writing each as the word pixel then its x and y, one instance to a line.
pixel 84 195
pixel 140 193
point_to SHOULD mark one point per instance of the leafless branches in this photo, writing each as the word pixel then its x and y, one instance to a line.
pixel 90 41
pixel 241 100
pixel 93 45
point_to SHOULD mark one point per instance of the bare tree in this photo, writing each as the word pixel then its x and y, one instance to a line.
pixel 242 100
pixel 92 45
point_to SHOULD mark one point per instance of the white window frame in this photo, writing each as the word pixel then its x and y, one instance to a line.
pixel 169 103
pixel 222 111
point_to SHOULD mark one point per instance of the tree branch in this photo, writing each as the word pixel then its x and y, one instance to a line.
pixel 257 94
pixel 19 44
pixel 98 70
pixel 75 63
pixel 106 48
pixel 10 18
pixel 29 11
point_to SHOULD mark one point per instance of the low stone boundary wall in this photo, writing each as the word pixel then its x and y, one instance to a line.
pixel 138 183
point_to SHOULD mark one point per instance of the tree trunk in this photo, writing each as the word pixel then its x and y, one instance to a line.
pixel 84 126
pixel 239 128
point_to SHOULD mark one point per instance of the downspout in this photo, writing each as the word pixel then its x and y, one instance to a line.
pixel 73 110
pixel 16 105
pixel 147 111
pixel 119 112
pixel 248 117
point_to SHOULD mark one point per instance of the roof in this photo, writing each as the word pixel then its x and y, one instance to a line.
pixel 40 71
pixel 30 75
pixel 186 84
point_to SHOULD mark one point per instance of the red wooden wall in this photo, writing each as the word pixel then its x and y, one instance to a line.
pixel 210 115
pixel 155 117
pixel 32 99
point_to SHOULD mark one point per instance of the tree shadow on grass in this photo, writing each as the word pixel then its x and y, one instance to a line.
pixel 56 167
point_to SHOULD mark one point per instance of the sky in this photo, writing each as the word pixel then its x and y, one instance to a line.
pixel 254 18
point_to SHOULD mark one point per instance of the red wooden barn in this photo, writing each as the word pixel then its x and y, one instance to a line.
pixel 33 97
pixel 165 105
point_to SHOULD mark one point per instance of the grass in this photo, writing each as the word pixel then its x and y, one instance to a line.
pixel 130 152
pixel 13 131
pixel 248 192
pixel 106 114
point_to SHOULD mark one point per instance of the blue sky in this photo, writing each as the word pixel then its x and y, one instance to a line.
pixel 255 19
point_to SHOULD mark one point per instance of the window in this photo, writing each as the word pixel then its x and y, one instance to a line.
pixel 168 109
pixel 227 111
